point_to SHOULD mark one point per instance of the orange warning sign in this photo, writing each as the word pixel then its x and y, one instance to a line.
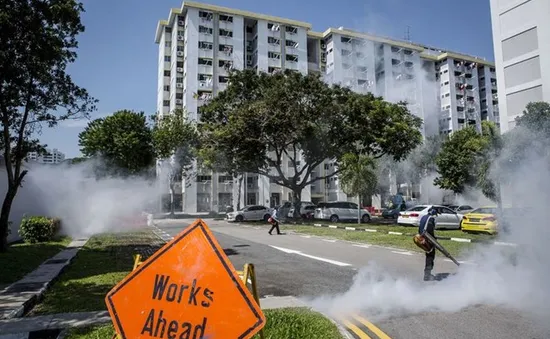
pixel 186 290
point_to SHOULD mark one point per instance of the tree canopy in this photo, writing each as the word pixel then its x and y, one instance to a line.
pixel 122 140
pixel 359 177
pixel 465 160
pixel 38 40
pixel 265 124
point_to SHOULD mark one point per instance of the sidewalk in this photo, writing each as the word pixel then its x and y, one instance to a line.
pixel 21 296
pixel 22 327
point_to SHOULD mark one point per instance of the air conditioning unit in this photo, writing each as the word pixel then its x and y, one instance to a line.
pixel 323 46
pixel 180 54
pixel 324 59
pixel 179 69
pixel 181 38
pixel 179 85
pixel 179 101
pixel 181 23
pixel 249 63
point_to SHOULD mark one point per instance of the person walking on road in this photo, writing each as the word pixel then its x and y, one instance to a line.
pixel 274 222
pixel 427 225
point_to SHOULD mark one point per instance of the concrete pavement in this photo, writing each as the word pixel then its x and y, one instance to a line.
pixel 303 265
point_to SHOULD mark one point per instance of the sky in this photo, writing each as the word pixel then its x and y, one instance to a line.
pixel 117 54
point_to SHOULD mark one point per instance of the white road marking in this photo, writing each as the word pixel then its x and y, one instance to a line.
pixel 329 240
pixel 369 230
pixel 318 225
pixel 396 233
pixel 289 251
pixel 306 236
pixel 350 228
pixel 404 253
pixel 332 226
pixel 363 246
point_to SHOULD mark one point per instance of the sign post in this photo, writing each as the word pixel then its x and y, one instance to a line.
pixel 186 290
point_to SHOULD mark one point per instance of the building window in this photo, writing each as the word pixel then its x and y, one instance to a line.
pixel 168 29
pixel 179 95
pixel 273 27
pixel 226 18
pixel 167 88
pixel 166 73
pixel 227 49
pixel 205 45
pixel 273 55
pixel 291 58
pixel 179 80
pixel 179 48
pixel 205 15
pixel 291 29
pixel 205 62
pixel 168 44
pixel 223 79
pixel 290 43
pixel 205 30
pixel 226 33
pixel 166 103
pixel 167 58
pixel 272 40
pixel 179 64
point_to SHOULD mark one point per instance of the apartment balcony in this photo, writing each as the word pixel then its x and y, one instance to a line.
pixel 225 187
pixel 274 48
pixel 206 37
pixel 291 65
pixel 227 25
pixel 205 69
pixel 205 84
pixel 222 86
pixel 206 53
pixel 204 187
pixel 273 62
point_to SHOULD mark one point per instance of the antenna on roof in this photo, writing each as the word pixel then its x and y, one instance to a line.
pixel 408 34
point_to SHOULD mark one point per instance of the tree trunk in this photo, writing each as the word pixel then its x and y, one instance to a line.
pixel 297 202
pixel 359 209
pixel 241 178
pixel 5 218
pixel 172 208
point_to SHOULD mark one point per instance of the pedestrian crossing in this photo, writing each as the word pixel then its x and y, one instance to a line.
pixel 361 328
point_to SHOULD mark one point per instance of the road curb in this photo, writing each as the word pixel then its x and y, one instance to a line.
pixel 347 228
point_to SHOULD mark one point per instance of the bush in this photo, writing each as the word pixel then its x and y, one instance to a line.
pixel 38 229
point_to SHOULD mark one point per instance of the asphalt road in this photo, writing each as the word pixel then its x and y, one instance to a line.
pixel 308 266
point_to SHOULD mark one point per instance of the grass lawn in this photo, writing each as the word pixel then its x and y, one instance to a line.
pixel 397 241
pixel 285 323
pixel 98 266
pixel 23 258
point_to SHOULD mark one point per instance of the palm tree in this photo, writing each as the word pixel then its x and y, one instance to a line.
pixel 359 178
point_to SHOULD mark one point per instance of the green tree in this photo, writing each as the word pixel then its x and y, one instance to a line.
pixel 38 42
pixel 465 160
pixel 263 123
pixel 359 177
pixel 175 142
pixel 123 141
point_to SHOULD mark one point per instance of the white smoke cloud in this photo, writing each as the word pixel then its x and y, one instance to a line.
pixel 515 277
pixel 87 205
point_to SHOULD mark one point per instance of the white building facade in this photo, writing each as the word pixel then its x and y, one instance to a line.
pixel 51 157
pixel 199 43
pixel 521 31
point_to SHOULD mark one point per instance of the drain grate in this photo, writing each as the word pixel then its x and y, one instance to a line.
pixel 55 261
pixel 24 287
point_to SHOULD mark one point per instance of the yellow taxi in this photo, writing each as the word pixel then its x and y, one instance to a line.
pixel 482 220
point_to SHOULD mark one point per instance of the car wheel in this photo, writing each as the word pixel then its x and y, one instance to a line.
pixel 266 217
pixel 239 218
pixel 365 219
pixel 334 218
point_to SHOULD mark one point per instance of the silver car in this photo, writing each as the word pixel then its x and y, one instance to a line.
pixel 446 218
pixel 250 213
pixel 340 210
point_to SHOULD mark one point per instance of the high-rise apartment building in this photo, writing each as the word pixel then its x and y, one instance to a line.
pixel 199 43
pixel 51 157
pixel 521 31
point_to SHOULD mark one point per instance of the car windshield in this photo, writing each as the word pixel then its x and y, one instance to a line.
pixel 416 208
pixel 485 210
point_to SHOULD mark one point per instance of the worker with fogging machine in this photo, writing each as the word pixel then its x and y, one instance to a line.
pixel 425 239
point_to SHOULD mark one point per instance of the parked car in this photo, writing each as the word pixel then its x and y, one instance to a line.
pixel 306 212
pixel 446 218
pixel 341 210
pixel 483 220
pixel 250 213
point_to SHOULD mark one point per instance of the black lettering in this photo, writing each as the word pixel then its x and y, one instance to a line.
pixel 182 289
pixel 171 293
pixel 160 320
pixel 148 327
pixel 193 293
pixel 208 295
pixel 186 334
pixel 172 329
pixel 160 286
pixel 200 328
